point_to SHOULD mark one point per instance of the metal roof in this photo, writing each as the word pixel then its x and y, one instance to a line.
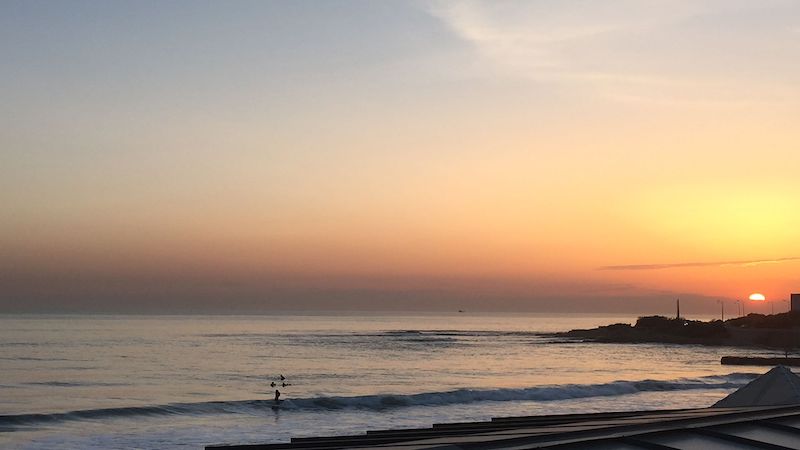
pixel 776 427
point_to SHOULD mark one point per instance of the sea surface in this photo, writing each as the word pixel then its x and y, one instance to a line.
pixel 121 382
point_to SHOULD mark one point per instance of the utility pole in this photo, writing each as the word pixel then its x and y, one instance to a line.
pixel 721 309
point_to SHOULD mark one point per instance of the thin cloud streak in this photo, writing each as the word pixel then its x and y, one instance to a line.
pixel 753 262
pixel 553 44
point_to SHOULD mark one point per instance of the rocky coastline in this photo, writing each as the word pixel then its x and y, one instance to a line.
pixel 777 331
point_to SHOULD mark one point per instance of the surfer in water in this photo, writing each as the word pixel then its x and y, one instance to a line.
pixel 277 392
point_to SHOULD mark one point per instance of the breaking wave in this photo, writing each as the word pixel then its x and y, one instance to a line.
pixel 383 402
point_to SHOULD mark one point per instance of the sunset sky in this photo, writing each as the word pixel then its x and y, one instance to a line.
pixel 245 156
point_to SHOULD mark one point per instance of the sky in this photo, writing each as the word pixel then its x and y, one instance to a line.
pixel 262 156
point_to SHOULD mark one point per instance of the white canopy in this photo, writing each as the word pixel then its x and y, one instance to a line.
pixel 779 386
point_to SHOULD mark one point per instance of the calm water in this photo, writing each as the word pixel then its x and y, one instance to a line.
pixel 186 381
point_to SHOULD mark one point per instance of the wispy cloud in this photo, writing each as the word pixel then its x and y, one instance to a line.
pixel 516 36
pixel 620 48
pixel 752 262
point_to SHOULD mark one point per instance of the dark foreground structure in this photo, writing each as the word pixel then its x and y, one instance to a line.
pixel 764 414
pixel 707 428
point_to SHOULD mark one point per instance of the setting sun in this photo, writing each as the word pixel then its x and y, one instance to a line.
pixel 757 297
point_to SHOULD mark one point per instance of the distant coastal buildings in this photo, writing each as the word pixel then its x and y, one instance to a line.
pixel 795 302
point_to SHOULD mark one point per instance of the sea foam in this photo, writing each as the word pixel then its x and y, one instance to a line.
pixel 383 402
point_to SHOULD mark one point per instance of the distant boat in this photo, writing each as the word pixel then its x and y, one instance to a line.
pixel 461 310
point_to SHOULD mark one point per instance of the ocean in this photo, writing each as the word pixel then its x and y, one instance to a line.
pixel 168 382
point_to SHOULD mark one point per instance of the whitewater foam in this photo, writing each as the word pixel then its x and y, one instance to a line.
pixel 383 402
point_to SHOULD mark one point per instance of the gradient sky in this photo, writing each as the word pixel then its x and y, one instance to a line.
pixel 263 156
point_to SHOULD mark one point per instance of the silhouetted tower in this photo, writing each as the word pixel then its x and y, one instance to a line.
pixel 678 305
pixel 795 302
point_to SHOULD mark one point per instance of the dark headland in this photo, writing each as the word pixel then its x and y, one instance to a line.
pixel 778 331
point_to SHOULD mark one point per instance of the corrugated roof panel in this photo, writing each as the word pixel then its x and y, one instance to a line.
pixel 710 428
pixel 763 434
pixel 607 445
pixel 685 440
pixel 789 421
